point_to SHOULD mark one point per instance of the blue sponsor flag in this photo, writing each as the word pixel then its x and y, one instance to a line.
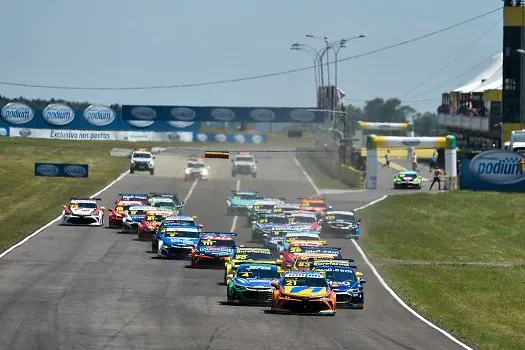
pixel 62 170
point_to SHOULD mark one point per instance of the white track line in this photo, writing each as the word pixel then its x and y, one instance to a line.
pixel 190 190
pixel 236 217
pixel 378 276
pixel 10 249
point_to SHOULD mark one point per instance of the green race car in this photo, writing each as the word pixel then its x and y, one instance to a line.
pixel 408 179
pixel 259 207
pixel 251 284
pixel 240 202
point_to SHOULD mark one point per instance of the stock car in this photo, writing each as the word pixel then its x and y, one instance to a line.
pixel 240 202
pixel 286 208
pixel 269 222
pixel 292 236
pixel 304 221
pixel 173 221
pixel 83 211
pixel 135 215
pixel 151 222
pixel 248 255
pixel 305 292
pixel 314 205
pixel 297 256
pixel 407 179
pixel 213 248
pixel 177 241
pixel 117 214
pixel 168 201
pixel 251 284
pixel 140 197
pixel 273 239
pixel 259 207
pixel 343 222
pixel 350 292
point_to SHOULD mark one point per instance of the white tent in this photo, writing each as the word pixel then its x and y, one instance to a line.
pixel 490 78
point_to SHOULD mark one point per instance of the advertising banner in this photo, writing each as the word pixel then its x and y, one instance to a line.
pixel 494 170
pixel 231 138
pixel 221 114
pixel 61 170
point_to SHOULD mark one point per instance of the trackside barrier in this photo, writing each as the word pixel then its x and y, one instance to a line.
pixel 408 127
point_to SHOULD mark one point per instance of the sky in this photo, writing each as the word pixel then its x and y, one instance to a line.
pixel 129 43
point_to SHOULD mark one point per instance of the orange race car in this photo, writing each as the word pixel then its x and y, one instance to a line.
pixel 120 211
pixel 304 292
pixel 314 205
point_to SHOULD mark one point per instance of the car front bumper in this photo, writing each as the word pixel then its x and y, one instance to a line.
pixel 78 220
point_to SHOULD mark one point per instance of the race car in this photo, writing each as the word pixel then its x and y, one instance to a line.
pixel 83 211
pixel 268 222
pixel 251 284
pixel 259 207
pixel 286 208
pixel 117 214
pixel 305 292
pixel 213 248
pixel 135 215
pixel 407 179
pixel 177 241
pixel 173 221
pixel 196 169
pixel 292 236
pixel 169 201
pixel 296 257
pixel 240 202
pixel 136 197
pixel 248 255
pixel 341 222
pixel 314 205
pixel 244 164
pixel 151 222
pixel 273 239
pixel 304 221
pixel 350 292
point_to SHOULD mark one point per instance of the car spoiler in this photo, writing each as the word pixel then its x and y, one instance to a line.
pixel 85 199
pixel 219 233
pixel 159 194
pixel 311 199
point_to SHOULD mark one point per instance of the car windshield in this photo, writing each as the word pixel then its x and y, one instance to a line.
pixel 163 203
pixel 87 205
pixel 299 219
pixel 196 165
pixel 304 281
pixel 314 204
pixel 263 206
pixel 339 217
pixel 182 222
pixel 217 243
pixel 182 234
pixel 259 272
pixel 408 174
pixel 340 275
pixel 141 155
pixel 245 196
pixel 253 256
pixel 244 159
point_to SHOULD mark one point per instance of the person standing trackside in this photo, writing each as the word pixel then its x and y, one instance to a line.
pixel 433 161
pixel 414 161
pixel 387 159
pixel 437 174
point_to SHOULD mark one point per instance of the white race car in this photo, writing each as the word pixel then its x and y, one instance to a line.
pixel 83 211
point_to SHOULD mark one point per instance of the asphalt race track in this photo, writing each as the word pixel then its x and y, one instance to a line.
pixel 95 288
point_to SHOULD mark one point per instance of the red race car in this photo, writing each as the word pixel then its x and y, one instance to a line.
pixel 295 248
pixel 314 205
pixel 119 212
pixel 151 223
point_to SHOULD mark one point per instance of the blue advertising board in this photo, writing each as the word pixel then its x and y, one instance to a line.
pixel 62 170
pixel 232 138
pixel 494 170
pixel 222 114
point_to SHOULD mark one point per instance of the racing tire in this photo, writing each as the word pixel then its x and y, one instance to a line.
pixel 419 187
pixel 151 172
pixel 131 171
pixel 153 247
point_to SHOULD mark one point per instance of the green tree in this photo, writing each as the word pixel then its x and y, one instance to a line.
pixel 390 110
pixel 426 124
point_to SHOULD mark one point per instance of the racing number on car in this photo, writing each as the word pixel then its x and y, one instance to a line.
pixel 330 217
pixel 119 208
pixel 290 282
pixel 263 220
pixel 241 257
pixel 208 242
pixel 133 212
pixel 291 220
pixel 295 249
pixel 73 206
pixel 150 218
pixel 278 210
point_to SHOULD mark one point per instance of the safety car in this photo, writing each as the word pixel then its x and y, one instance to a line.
pixel 305 292
pixel 341 222
pixel 117 214
pixel 151 222
pixel 213 248
pixel 350 292
pixel 407 179
pixel 239 202
pixel 135 215
pixel 177 241
pixel 83 211
pixel 142 160
pixel 244 164
pixel 251 284
pixel 196 169
pixel 248 255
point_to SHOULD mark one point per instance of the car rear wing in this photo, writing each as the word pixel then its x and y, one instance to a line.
pixel 162 194
pixel 85 199
pixel 219 233
pixel 332 262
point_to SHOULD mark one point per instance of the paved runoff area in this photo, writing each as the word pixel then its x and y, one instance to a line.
pixel 94 288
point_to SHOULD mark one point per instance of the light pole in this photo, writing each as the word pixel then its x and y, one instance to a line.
pixel 342 43
pixel 315 55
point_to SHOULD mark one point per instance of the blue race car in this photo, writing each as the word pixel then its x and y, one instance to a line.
pixel 269 222
pixel 240 202
pixel 173 221
pixel 177 241
pixel 213 248
pixel 350 292
pixel 251 284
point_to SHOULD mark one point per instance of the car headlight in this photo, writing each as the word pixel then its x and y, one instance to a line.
pixel 187 171
pixel 205 172
pixel 239 287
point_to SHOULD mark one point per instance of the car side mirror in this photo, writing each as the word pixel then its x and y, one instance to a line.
pixel 334 286
pixel 229 277
pixel 64 206
pixel 200 226
pixel 275 284
pixel 330 207
pixel 153 157
pixel 102 208
pixel 362 281
pixel 265 235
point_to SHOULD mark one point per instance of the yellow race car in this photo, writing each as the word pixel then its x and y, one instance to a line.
pixel 248 255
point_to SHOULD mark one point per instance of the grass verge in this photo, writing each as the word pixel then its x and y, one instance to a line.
pixel 457 258
pixel 27 201
pixel 320 178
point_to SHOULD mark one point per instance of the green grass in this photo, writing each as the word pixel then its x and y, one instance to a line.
pixel 320 178
pixel 424 245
